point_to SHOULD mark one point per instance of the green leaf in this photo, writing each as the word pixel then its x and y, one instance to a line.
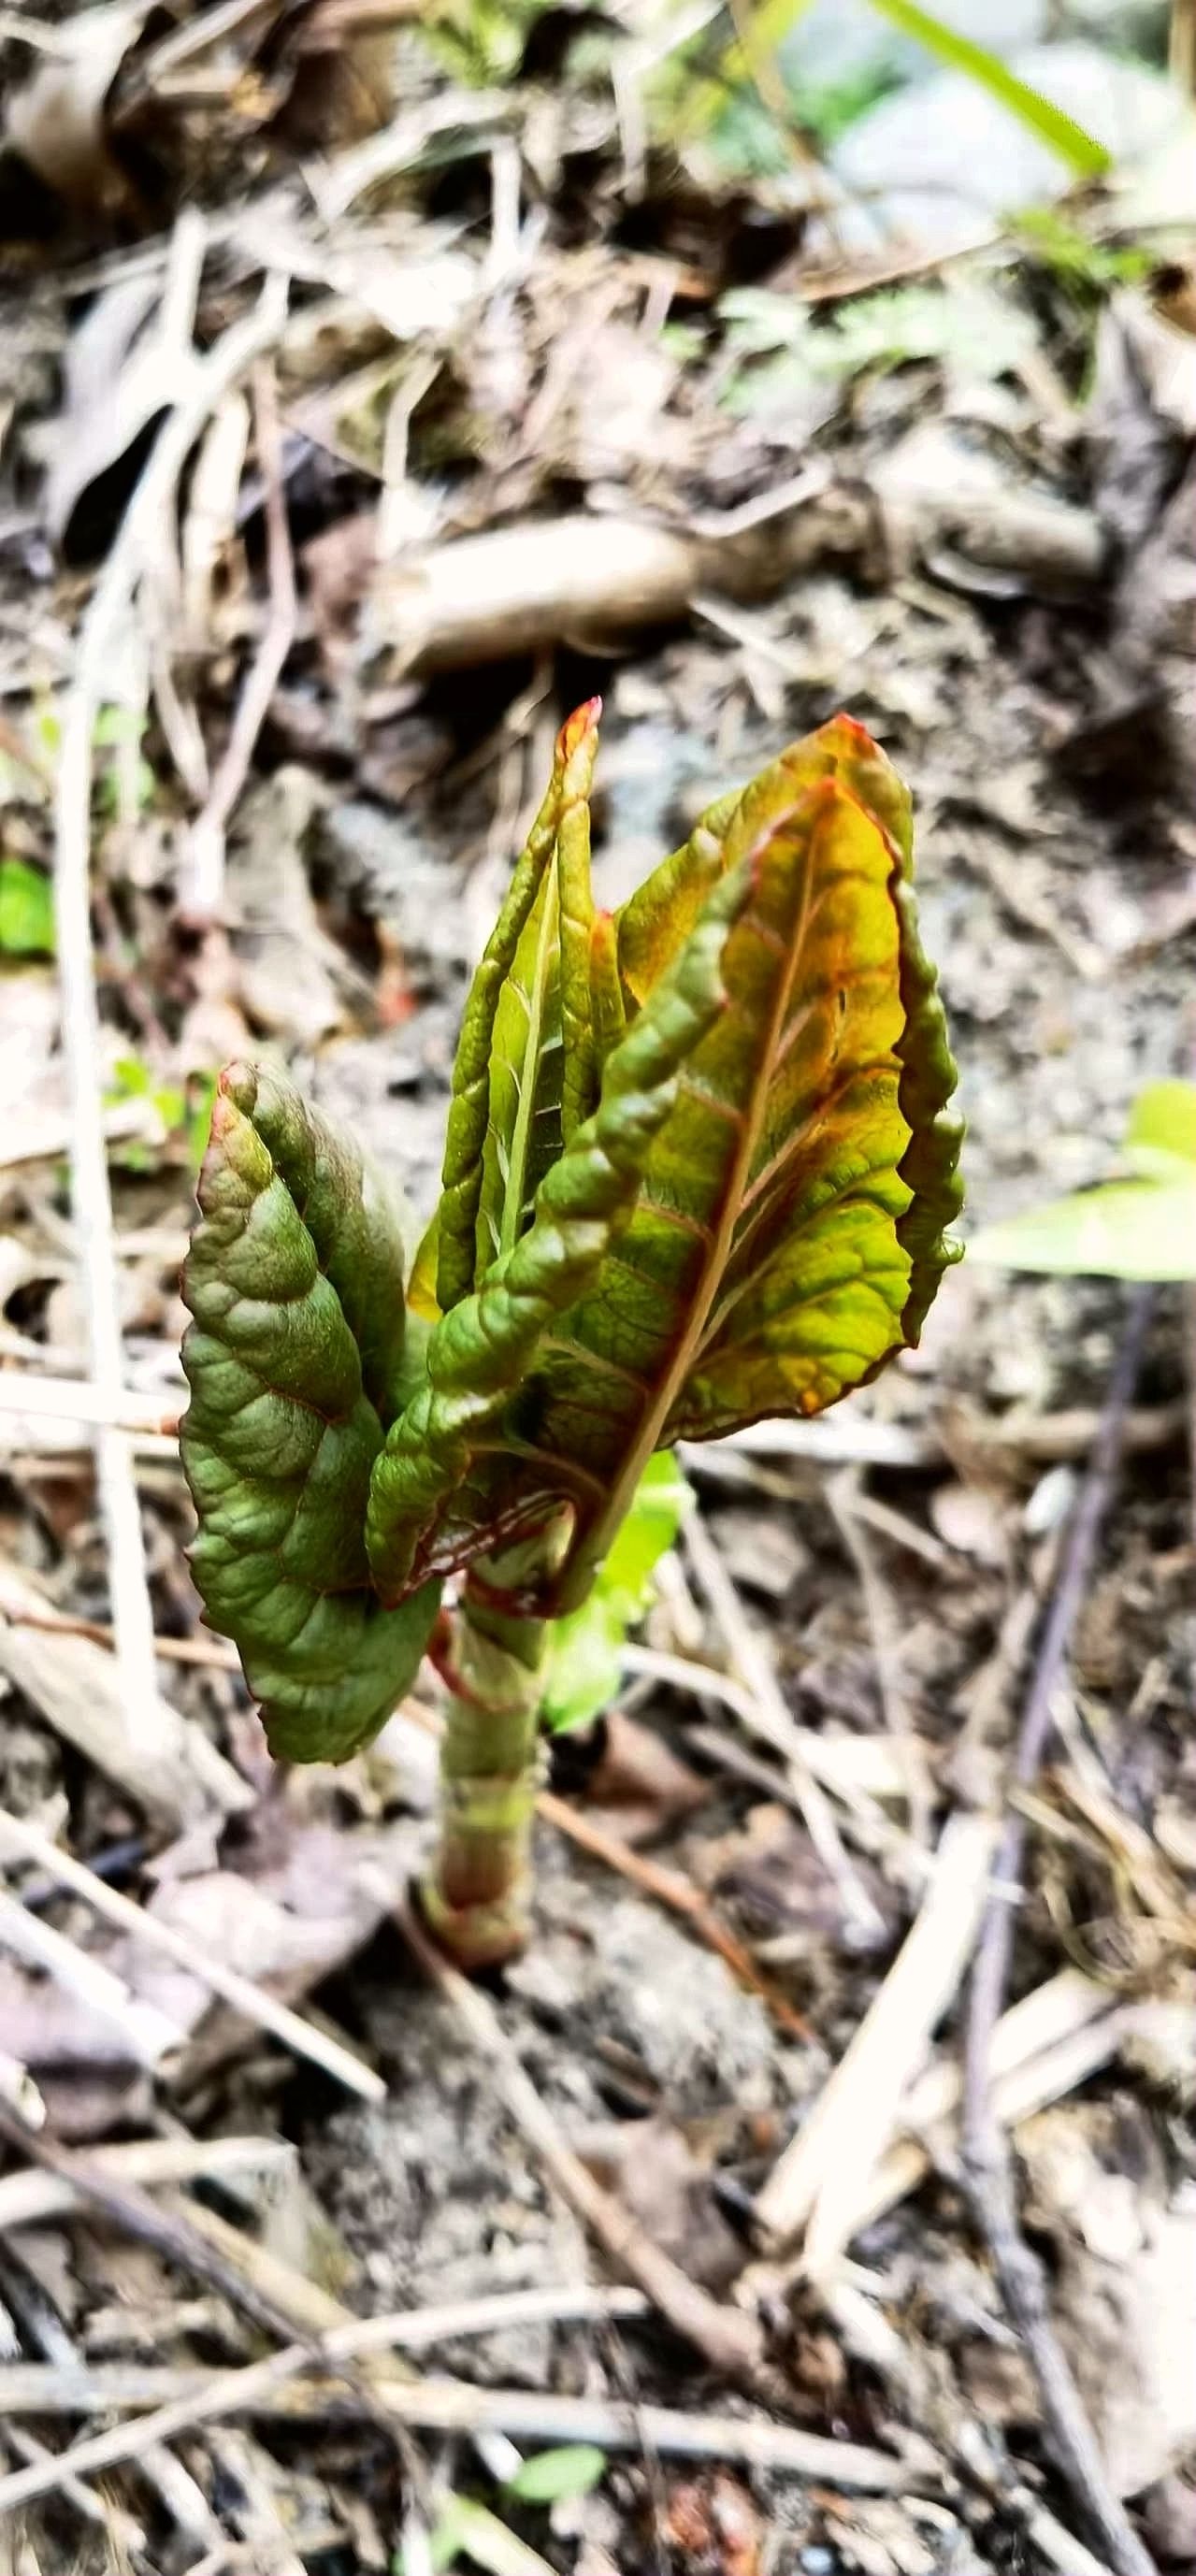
pixel 573 2469
pixel 1119 1230
pixel 585 1666
pixel 1141 1228
pixel 524 1076
pixel 26 910
pixel 294 1360
pixel 470 2530
pixel 464 1467
pixel 789 1234
pixel 1078 149
pixel 1162 1128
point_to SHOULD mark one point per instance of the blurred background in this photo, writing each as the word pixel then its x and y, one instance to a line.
pixel 377 381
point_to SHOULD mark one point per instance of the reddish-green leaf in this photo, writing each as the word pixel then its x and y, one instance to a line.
pixel 464 1468
pixel 524 1075
pixel 295 1360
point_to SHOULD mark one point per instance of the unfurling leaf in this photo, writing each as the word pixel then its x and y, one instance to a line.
pixel 463 1468
pixel 294 1360
pixel 524 1073
pixel 780 1232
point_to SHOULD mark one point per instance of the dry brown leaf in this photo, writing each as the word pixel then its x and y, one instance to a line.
pixel 284 959
pixel 303 1900
pixel 639 1783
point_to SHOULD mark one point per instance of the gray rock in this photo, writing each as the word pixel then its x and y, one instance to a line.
pixel 845 40
pixel 940 158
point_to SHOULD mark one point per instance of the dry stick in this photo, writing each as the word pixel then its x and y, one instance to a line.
pixel 824 2170
pixel 167 2232
pixel 844 1497
pixel 28 2199
pixel 207 1652
pixel 203 889
pixel 119 2528
pixel 771 1719
pixel 430 2405
pixel 988 2162
pixel 259 2007
pixel 729 2341
pixel 231 357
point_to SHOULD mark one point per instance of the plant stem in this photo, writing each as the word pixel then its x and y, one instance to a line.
pixel 477 1898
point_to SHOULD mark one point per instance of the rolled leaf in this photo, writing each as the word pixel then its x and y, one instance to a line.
pixel 524 1074
pixel 463 1469
pixel 295 1363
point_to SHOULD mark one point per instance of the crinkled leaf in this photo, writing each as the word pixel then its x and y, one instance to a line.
pixel 524 1076
pixel 464 1467
pixel 789 1233
pixel 295 1363
pixel 585 1654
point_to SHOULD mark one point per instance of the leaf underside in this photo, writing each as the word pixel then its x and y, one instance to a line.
pixel 294 1361
pixel 778 1229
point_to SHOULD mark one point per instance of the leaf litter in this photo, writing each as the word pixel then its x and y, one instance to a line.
pixel 923 521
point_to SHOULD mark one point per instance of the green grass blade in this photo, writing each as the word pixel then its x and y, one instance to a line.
pixel 1070 141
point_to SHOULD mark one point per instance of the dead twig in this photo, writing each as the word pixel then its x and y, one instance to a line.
pixel 844 1497
pixel 202 885
pixel 819 2179
pixel 772 1721
pixel 275 2386
pixel 147 2033
pixel 28 2199
pixel 730 2342
pixel 987 2159
pixel 671 1888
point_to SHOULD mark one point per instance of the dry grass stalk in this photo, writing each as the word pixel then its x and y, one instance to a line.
pixel 28 2199
pixel 184 2400
pixel 771 1720
pixel 817 2183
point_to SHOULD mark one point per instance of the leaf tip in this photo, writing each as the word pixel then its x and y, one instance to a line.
pixel 583 721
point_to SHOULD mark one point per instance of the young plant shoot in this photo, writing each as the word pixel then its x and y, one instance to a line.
pixel 698 1169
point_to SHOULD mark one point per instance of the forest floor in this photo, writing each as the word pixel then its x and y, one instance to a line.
pixel 266 749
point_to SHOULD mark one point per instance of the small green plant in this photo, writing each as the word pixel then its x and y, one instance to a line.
pixel 26 910
pixel 698 1169
pixel 182 1112
pixel 1141 1225
pixel 464 2529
